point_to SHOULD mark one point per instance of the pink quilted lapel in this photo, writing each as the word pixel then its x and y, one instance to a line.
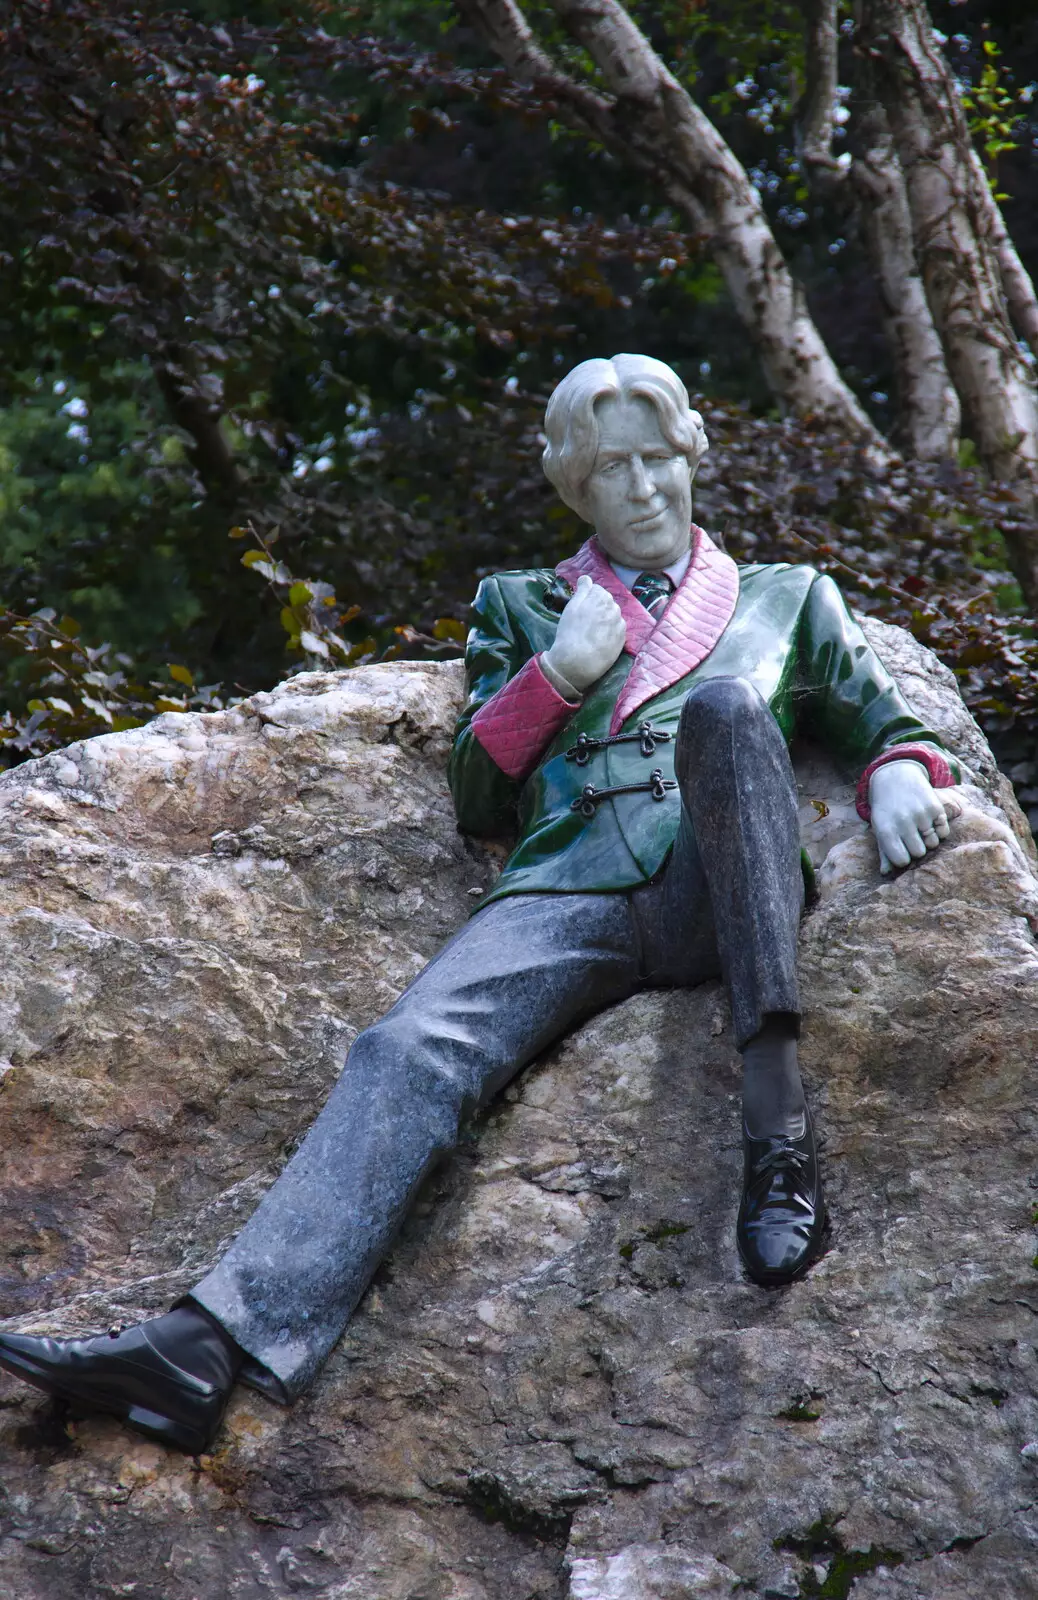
pixel 697 614
pixel 590 561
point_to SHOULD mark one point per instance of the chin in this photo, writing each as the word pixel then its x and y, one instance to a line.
pixel 659 547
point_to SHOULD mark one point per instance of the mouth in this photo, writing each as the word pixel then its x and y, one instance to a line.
pixel 644 522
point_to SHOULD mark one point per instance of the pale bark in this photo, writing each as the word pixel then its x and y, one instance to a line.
pixel 648 119
pixel 928 407
pixel 817 120
pixel 955 249
pixel 1021 300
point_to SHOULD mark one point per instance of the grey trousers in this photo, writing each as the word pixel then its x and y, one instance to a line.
pixel 521 973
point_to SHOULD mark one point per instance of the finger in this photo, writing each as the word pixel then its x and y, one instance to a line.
pixel 926 819
pixel 892 849
pixel 942 827
pixel 912 839
pixel 884 862
pixel 952 808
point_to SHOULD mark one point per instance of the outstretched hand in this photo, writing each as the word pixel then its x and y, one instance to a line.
pixel 590 635
pixel 908 819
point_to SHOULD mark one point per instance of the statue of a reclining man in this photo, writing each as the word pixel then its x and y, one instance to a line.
pixel 630 711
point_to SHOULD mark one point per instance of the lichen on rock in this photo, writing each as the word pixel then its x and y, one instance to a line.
pixel 559 1385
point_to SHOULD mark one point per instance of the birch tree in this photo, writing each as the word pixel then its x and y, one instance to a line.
pixel 961 245
pixel 646 117
pixel 928 407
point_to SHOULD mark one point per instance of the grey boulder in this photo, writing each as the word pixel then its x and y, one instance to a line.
pixel 559 1385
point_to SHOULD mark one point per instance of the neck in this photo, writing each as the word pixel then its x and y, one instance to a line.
pixel 658 564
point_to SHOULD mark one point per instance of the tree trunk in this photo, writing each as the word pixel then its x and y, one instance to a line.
pixel 928 407
pixel 199 417
pixel 817 110
pixel 1021 300
pixel 648 119
pixel 955 250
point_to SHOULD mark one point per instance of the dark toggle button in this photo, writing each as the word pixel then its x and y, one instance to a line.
pixel 645 734
pixel 590 797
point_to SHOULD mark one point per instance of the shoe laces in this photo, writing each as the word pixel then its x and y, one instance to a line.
pixel 782 1157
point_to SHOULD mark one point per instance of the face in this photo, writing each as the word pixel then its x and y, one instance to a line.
pixel 639 494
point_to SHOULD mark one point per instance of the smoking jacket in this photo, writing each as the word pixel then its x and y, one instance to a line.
pixel 524 758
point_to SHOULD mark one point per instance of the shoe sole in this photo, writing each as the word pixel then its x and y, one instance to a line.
pixel 152 1424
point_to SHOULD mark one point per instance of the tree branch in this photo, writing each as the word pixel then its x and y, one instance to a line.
pixel 1021 299
pixel 658 126
pixel 928 407
pixel 956 250
pixel 502 24
pixel 817 121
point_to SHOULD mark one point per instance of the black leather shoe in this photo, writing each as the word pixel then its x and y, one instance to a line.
pixel 782 1217
pixel 124 1375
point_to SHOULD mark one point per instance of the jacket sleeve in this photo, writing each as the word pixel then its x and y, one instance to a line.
pixel 847 700
pixel 511 715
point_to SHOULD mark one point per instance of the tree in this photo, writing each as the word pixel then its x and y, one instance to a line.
pixel 960 249
pixel 653 120
pixel 943 257
pixel 928 406
pixel 251 330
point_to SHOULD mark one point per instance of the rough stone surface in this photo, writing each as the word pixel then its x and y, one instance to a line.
pixel 559 1386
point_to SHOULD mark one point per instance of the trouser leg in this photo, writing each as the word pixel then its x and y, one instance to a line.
pixel 517 976
pixel 738 850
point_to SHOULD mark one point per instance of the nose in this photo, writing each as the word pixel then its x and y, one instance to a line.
pixel 641 486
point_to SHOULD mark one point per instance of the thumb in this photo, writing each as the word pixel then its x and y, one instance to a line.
pixel 584 583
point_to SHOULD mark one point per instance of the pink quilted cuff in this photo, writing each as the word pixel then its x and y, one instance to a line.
pixel 520 720
pixel 939 772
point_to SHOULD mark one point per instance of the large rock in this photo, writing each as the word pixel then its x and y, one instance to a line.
pixel 560 1385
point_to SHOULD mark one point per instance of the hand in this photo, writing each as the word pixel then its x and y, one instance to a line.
pixel 590 636
pixel 907 817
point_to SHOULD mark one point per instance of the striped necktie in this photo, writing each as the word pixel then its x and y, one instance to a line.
pixel 653 589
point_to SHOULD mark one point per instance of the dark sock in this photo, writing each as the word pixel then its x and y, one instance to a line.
pixel 192 1339
pixel 773 1101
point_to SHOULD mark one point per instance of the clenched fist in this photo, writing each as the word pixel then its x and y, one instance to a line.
pixel 907 817
pixel 590 637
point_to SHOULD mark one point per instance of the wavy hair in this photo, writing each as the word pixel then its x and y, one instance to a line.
pixel 572 428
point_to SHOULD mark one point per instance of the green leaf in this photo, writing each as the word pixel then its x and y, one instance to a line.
pixel 300 594
pixel 256 558
pixel 181 675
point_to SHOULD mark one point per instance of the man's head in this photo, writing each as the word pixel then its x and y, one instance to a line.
pixel 623 447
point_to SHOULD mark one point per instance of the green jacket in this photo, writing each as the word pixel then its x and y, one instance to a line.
pixel 784 629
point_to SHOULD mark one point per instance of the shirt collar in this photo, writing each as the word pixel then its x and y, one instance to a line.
pixel 675 572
